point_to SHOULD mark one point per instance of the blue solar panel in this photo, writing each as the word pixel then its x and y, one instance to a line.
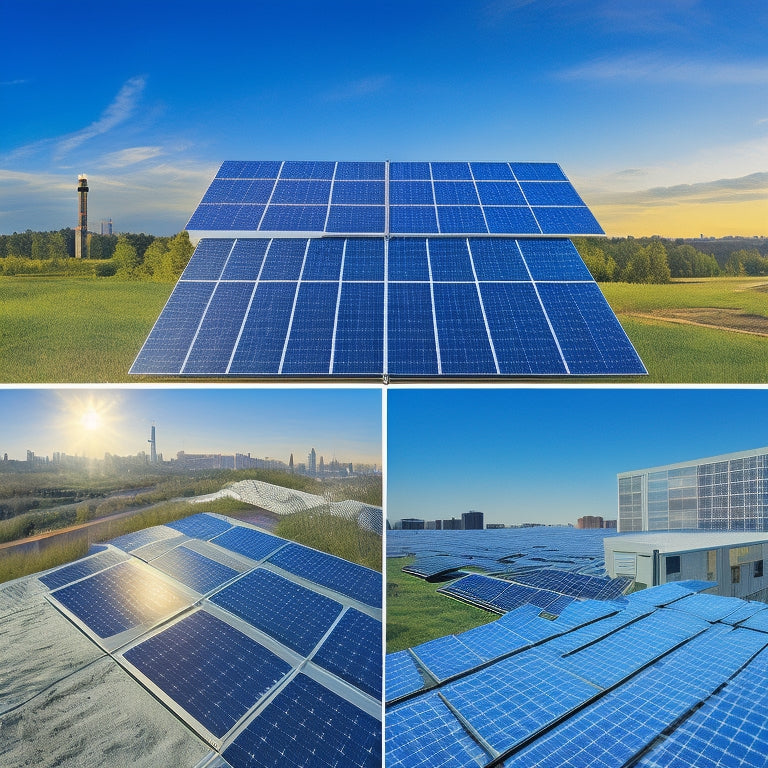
pixel 500 193
pixel 456 193
pixel 358 193
pixel 708 607
pixel 402 675
pixel 311 335
pixel 411 193
pixel 451 171
pixel 491 641
pixel 200 526
pixel 456 219
pixel 550 193
pixel 511 220
pixel 81 568
pixel 219 330
pixel 123 597
pixel 293 615
pixel 344 577
pixel 293 169
pixel 193 569
pixel 356 218
pixel 409 171
pixel 360 330
pixel 308 725
pixel 412 219
pixel 208 668
pixel 347 171
pixel 301 192
pixel 476 587
pixel 364 259
pixel 248 542
pixel 263 337
pixel 425 733
pixel 494 171
pixel 130 541
pixel 249 169
pixel 299 218
pixel 353 651
pixel 267 317
pixel 538 172
pixel 446 657
pixel 514 698
pixel 411 329
pixel 464 345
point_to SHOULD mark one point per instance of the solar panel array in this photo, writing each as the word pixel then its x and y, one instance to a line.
pixel 388 269
pixel 608 684
pixel 241 644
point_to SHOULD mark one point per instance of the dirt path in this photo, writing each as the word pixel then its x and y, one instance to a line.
pixel 706 317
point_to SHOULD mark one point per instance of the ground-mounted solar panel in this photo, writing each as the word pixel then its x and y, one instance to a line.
pixel 249 542
pixel 295 616
pixel 124 597
pixel 130 541
pixel 82 568
pixel 339 575
pixel 447 656
pixel 402 676
pixel 353 652
pixel 211 670
pixel 200 526
pixel 193 569
pixel 306 724
pixel 372 270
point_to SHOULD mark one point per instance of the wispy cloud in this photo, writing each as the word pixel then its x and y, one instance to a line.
pixel 357 88
pixel 13 82
pixel 661 68
pixel 129 156
pixel 116 113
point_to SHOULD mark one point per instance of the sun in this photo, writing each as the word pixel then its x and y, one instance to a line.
pixel 91 419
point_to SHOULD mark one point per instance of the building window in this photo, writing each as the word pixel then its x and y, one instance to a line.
pixel 758 569
pixel 735 574
pixel 673 565
pixel 712 565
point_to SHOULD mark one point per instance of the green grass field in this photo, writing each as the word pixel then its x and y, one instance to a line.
pixel 74 330
pixel 416 613
pixel 79 330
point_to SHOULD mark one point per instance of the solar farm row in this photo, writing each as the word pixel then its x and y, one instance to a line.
pixel 605 684
pixel 242 633
pixel 394 198
pixel 411 307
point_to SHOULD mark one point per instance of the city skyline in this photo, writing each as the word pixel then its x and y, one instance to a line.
pixel 656 111
pixel 550 455
pixel 268 423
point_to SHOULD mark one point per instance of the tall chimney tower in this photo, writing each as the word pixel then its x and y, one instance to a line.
pixel 152 447
pixel 81 233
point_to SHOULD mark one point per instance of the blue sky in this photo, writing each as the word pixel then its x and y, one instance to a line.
pixel 656 109
pixel 551 455
pixel 265 422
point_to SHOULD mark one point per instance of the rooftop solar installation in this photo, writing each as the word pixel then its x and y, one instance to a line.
pixel 239 652
pixel 613 684
pixel 440 270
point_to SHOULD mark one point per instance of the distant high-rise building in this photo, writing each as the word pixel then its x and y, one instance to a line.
pixel 472 521
pixel 152 447
pixel 312 463
pixel 106 226
pixel 81 231
pixel 412 524
pixel 454 524
pixel 290 464
pixel 322 466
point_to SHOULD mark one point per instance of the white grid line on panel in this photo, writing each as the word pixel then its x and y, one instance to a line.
pixel 485 221
pixel 250 303
pixel 432 297
pixel 482 307
pixel 205 311
pixel 437 220
pixel 338 304
pixel 386 200
pixel 271 195
pixel 544 309
pixel 385 342
pixel 330 197
pixel 293 308
pixel 541 231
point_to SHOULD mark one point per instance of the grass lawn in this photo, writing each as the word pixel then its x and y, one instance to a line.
pixel 416 613
pixel 81 330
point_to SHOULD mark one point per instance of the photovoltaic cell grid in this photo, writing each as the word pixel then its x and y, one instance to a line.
pixel 575 584
pixel 81 568
pixel 193 569
pixel 650 676
pixel 395 198
pixel 404 307
pixel 308 725
pixel 213 671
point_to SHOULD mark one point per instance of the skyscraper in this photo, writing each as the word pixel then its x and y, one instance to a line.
pixel 472 521
pixel 81 231
pixel 312 462
pixel 152 447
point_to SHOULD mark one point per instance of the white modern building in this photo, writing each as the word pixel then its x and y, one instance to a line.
pixel 725 493
pixel 736 561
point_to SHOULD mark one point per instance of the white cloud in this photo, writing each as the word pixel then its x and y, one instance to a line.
pixel 116 113
pixel 129 156
pixel 664 69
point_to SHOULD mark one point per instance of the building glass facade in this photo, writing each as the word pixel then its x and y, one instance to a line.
pixel 725 493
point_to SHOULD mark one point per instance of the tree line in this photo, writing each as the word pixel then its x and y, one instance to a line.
pixel 126 256
pixel 655 260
